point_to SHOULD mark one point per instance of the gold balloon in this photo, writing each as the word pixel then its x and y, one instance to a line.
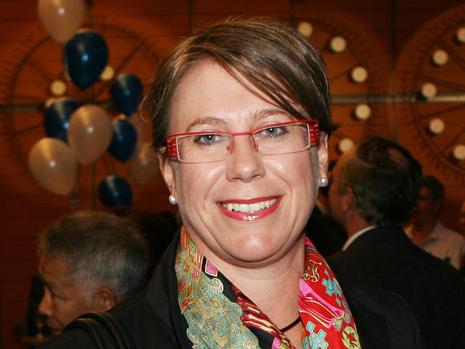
pixel 53 165
pixel 90 132
pixel 61 18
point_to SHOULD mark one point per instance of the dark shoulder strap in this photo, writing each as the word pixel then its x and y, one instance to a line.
pixel 104 330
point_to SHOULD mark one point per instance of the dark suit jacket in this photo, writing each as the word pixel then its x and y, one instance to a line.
pixel 154 320
pixel 385 258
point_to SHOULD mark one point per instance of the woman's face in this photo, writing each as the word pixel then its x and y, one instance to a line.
pixel 281 187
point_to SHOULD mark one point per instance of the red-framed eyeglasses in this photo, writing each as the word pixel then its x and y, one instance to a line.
pixel 275 139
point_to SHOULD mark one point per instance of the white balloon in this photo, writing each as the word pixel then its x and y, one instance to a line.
pixel 143 165
pixel 61 18
pixel 53 165
pixel 89 134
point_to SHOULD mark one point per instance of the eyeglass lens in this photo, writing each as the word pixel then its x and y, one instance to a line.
pixel 272 140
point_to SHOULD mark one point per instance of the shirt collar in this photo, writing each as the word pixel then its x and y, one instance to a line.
pixel 352 238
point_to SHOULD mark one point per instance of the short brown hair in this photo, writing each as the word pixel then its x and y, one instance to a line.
pixel 272 56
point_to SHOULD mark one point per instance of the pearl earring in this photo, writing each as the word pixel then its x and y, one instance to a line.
pixel 172 200
pixel 324 182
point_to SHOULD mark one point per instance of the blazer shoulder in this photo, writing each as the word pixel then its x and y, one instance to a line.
pixel 383 318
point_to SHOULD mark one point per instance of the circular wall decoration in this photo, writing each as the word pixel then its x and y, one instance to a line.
pixel 432 72
pixel 355 78
pixel 35 76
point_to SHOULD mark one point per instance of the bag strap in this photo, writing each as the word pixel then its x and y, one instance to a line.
pixel 104 329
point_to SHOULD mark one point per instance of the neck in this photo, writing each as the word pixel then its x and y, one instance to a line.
pixel 354 224
pixel 273 287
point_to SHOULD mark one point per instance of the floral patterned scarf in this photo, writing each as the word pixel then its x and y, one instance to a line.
pixel 219 315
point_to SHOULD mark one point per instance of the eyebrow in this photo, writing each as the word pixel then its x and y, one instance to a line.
pixel 259 114
pixel 50 286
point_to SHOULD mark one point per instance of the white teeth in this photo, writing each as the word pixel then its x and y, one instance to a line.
pixel 249 208
pixel 255 207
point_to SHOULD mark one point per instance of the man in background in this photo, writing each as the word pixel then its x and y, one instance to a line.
pixel 373 192
pixel 88 262
pixel 428 232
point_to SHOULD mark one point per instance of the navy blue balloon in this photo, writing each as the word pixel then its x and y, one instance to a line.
pixel 124 140
pixel 126 93
pixel 115 191
pixel 56 118
pixel 86 56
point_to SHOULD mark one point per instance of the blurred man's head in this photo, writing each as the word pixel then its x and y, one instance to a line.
pixel 379 182
pixel 430 200
pixel 89 261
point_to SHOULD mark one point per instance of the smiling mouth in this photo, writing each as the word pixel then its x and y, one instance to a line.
pixel 250 209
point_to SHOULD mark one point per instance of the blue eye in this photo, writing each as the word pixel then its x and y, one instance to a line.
pixel 208 139
pixel 272 132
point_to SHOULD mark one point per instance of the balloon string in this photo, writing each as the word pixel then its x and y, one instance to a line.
pixel 94 185
pixel 89 4
pixel 94 164
pixel 190 23
pixel 74 194
pixel 74 201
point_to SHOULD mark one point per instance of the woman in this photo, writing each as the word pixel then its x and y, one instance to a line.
pixel 240 116
pixel 240 108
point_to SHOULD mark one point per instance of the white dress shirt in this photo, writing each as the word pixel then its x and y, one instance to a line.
pixel 355 236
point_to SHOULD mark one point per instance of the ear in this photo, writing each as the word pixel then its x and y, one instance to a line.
pixel 168 173
pixel 348 200
pixel 105 299
pixel 323 156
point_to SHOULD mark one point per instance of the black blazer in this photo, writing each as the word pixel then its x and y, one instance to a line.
pixel 385 258
pixel 154 320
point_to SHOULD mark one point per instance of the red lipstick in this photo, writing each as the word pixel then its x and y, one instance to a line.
pixel 250 216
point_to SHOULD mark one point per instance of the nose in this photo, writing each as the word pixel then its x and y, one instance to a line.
pixel 45 305
pixel 244 163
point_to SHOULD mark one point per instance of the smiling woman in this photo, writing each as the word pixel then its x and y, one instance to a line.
pixel 241 117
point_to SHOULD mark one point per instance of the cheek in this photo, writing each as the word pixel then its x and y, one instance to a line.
pixel 299 174
pixel 196 181
pixel 304 173
pixel 63 310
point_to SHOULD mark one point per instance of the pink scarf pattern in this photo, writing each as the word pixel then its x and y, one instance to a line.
pixel 219 315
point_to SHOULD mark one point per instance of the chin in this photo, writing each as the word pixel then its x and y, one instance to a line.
pixel 254 252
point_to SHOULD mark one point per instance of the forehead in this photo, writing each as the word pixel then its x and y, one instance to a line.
pixel 208 91
pixel 53 268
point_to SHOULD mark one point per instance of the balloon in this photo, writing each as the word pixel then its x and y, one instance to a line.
pixel 124 140
pixel 53 165
pixel 140 124
pixel 61 18
pixel 89 133
pixel 86 56
pixel 56 118
pixel 115 191
pixel 126 93
pixel 143 165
